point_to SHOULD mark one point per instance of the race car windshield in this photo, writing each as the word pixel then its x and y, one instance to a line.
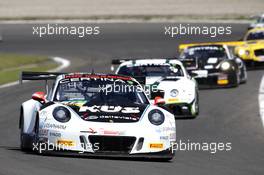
pixel 151 70
pixel 97 92
pixel 256 36
pixel 204 53
pixel 260 20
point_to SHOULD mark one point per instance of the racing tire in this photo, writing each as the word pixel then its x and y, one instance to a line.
pixel 35 140
pixel 197 104
pixel 236 80
pixel 25 139
pixel 195 107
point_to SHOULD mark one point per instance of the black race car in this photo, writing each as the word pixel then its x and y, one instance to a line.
pixel 214 66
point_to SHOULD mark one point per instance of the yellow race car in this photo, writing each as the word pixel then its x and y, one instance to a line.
pixel 252 49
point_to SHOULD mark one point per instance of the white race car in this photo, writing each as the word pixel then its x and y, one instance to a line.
pixel 167 82
pixel 87 114
pixel 259 22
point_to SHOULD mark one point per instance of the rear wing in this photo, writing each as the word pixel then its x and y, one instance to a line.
pixel 39 76
pixel 120 61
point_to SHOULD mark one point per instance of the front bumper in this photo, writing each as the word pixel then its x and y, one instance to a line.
pixel 114 143
pixel 161 155
pixel 217 80
pixel 180 110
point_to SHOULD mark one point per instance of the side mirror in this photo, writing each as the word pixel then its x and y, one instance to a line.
pixel 159 101
pixel 39 96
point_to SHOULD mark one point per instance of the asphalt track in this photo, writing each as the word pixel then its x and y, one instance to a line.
pixel 227 115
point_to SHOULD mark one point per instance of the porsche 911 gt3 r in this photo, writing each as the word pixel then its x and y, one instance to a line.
pixel 250 50
pixel 214 65
pixel 85 114
pixel 168 83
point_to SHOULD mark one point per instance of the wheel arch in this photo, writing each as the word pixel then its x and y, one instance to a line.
pixel 28 112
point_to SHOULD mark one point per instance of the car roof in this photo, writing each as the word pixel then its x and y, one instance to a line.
pixel 153 61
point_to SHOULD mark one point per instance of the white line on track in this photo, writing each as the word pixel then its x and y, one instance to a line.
pixel 63 63
pixel 261 100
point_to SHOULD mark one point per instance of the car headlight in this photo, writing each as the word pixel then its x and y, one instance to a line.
pixel 247 52
pixel 61 114
pixel 225 66
pixel 174 93
pixel 156 117
pixel 241 52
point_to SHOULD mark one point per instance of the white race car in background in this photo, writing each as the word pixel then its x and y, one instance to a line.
pixel 84 114
pixel 259 22
pixel 167 82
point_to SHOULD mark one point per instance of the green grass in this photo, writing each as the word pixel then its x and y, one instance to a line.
pixel 12 64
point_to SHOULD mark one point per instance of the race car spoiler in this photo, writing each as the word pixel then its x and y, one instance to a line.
pixel 120 61
pixel 39 76
pixel 228 43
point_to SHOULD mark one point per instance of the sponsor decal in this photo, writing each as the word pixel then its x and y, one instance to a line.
pixel 164 137
pixel 43 132
pixel 55 134
pixel 165 129
pixel 110 109
pixel 118 117
pixel 173 100
pixel 74 103
pixel 110 132
pixel 102 131
pixel 221 82
pixel 102 77
pixel 66 142
pixel 114 114
pixel 156 145
pixel 54 126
